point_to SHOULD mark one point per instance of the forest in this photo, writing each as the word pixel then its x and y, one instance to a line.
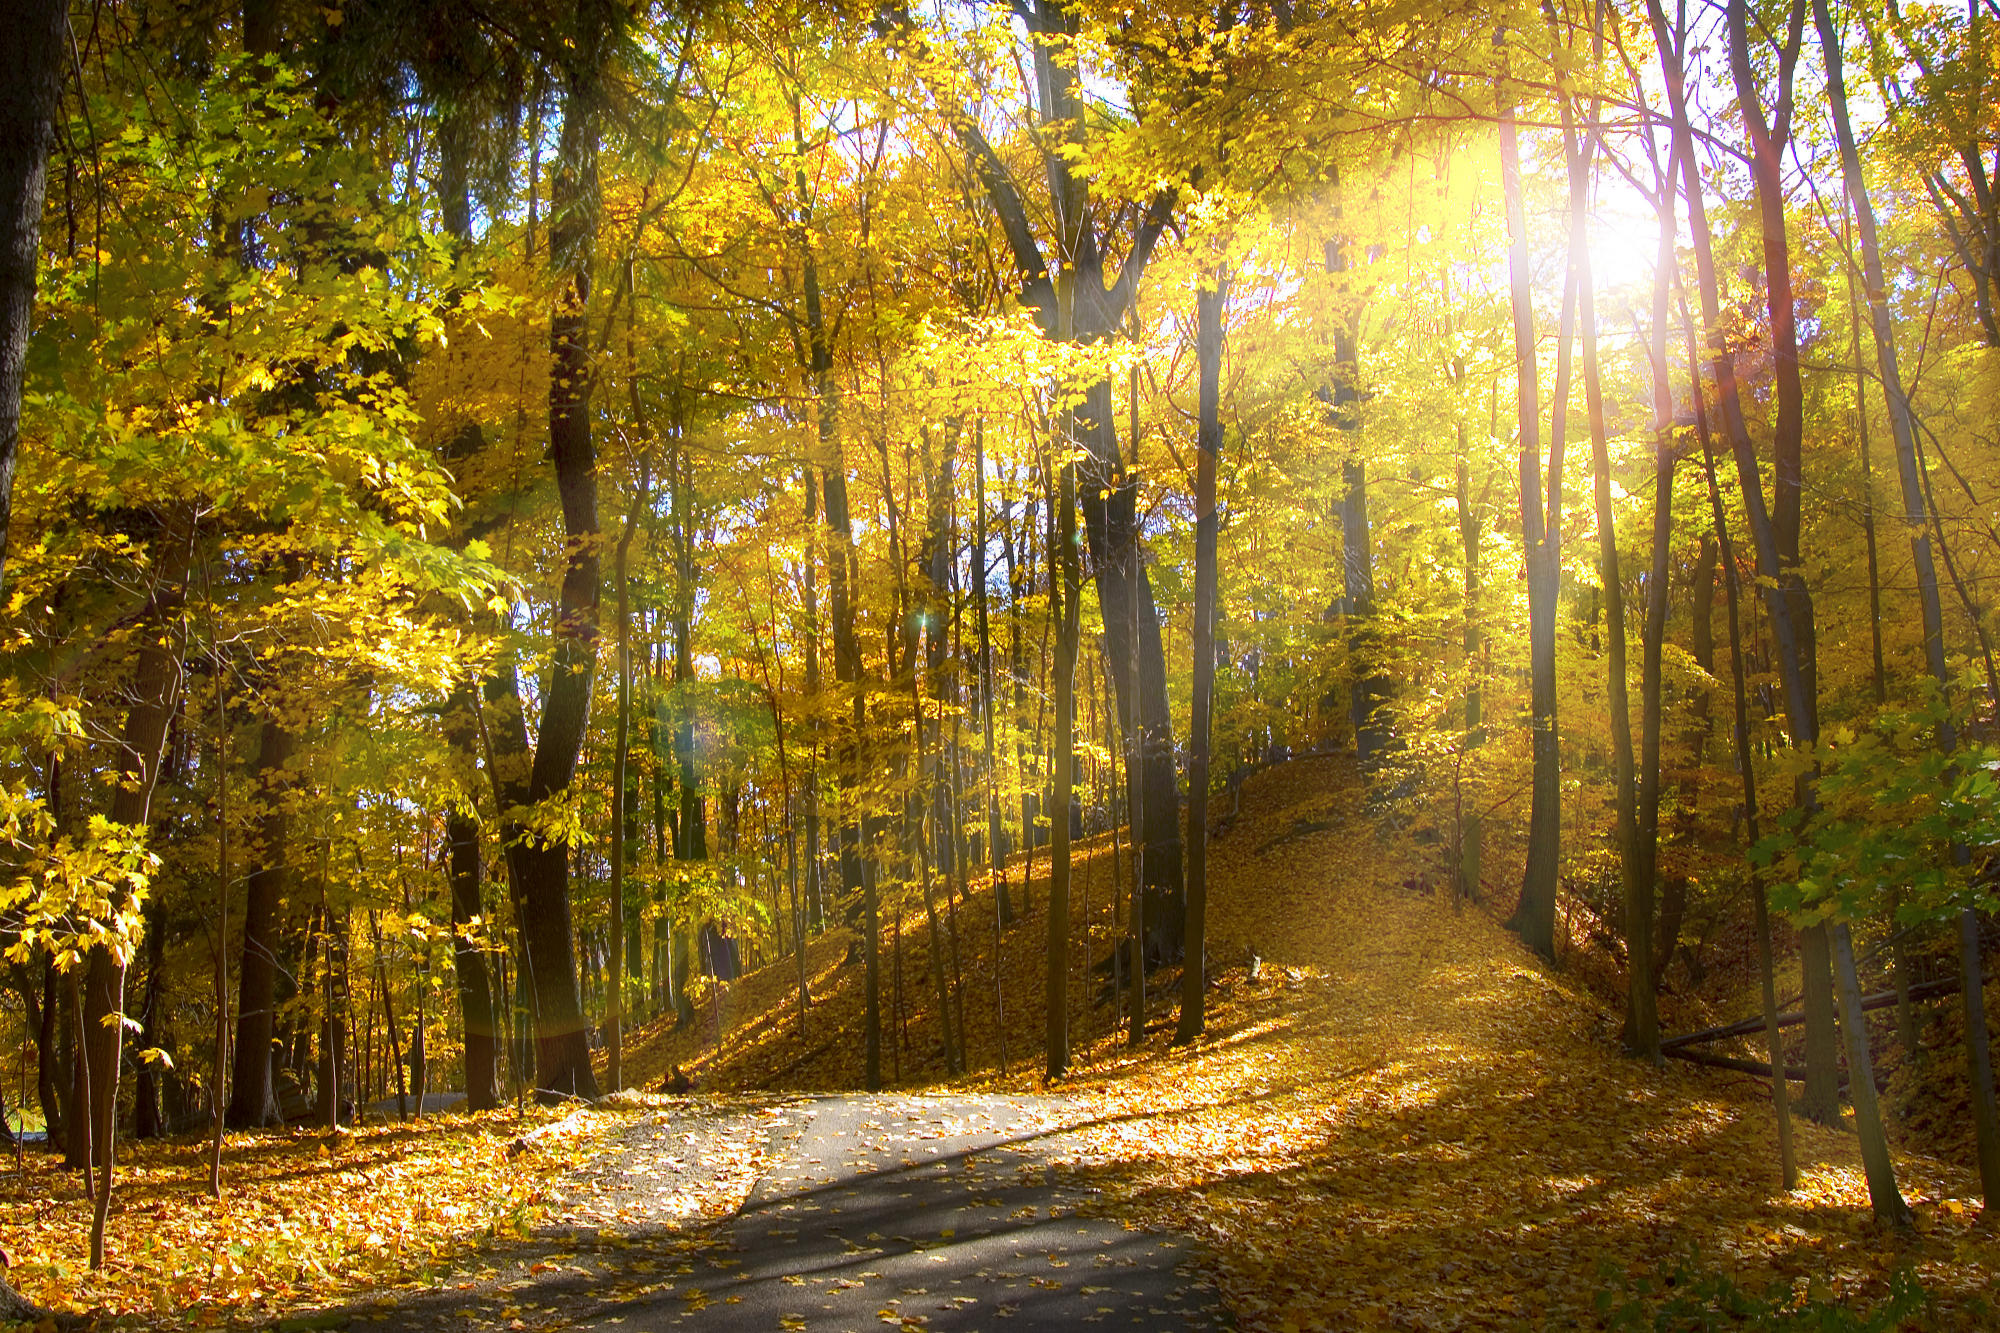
pixel 578 560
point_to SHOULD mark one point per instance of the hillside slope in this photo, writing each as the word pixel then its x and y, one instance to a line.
pixel 1403 1119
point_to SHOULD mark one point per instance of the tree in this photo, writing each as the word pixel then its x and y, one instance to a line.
pixel 31 38
pixel 1541 536
pixel 1917 520
pixel 1087 306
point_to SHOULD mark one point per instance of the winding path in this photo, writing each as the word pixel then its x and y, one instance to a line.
pixel 939 1212
pixel 927 1212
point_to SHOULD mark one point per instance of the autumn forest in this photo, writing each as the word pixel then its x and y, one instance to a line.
pixel 1370 626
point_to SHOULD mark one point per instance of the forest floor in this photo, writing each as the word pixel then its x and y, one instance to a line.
pixel 1397 1118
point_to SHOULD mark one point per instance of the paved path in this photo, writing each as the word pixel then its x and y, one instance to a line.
pixel 898 1211
pixel 921 1212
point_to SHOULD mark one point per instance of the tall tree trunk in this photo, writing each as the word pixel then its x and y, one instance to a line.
pixel 1368 683
pixel 691 818
pixel 155 698
pixel 996 833
pixel 1883 1195
pixel 146 1119
pixel 1063 558
pixel 1091 310
pixel 462 722
pixel 1642 1024
pixel 1768 140
pixel 562 1048
pixel 1020 578
pixel 1917 519
pixel 624 796
pixel 1801 707
pixel 1800 702
pixel 1535 917
pixel 253 1100
pixel 1208 441
pixel 218 1069
pixel 1879 677
pixel 1643 871
pixel 31 62
pixel 1745 766
pixel 814 889
pixel 333 1019
pixel 462 833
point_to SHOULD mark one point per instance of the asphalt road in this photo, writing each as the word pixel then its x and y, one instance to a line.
pixel 921 1212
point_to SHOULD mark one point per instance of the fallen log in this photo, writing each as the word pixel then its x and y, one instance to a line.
pixel 1927 990
pixel 1757 1068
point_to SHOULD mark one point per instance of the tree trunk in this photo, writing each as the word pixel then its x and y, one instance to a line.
pixel 691 820
pixel 1089 310
pixel 51 1090
pixel 1801 705
pixel 1917 519
pixel 31 64
pixel 1642 1024
pixel 1773 1040
pixel 462 833
pixel 1883 1195
pixel 253 1101
pixel 1535 918
pixel 1208 441
pixel 1801 711
pixel 624 796
pixel 333 1021
pixel 1063 557
pixel 155 698
pixel 562 1048
pixel 1368 683
pixel 146 1120
pixel 996 834
pixel 1767 145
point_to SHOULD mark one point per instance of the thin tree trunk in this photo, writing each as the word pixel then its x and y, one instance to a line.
pixel 1642 1024
pixel 1746 769
pixel 1139 795
pixel 155 699
pixel 996 840
pixel 1063 558
pixel 1883 1194
pixel 1535 917
pixel 389 1021
pixel 934 941
pixel 463 835
pixel 218 1072
pixel 1368 684
pixel 1801 706
pixel 1208 441
pixel 1917 519
pixel 622 800
pixel 254 1102
pixel 1646 818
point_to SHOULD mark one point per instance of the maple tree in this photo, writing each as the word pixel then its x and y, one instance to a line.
pixel 531 523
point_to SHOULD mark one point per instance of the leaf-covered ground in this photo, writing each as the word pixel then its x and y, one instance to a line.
pixel 1401 1120
pixel 308 1218
pixel 1404 1120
